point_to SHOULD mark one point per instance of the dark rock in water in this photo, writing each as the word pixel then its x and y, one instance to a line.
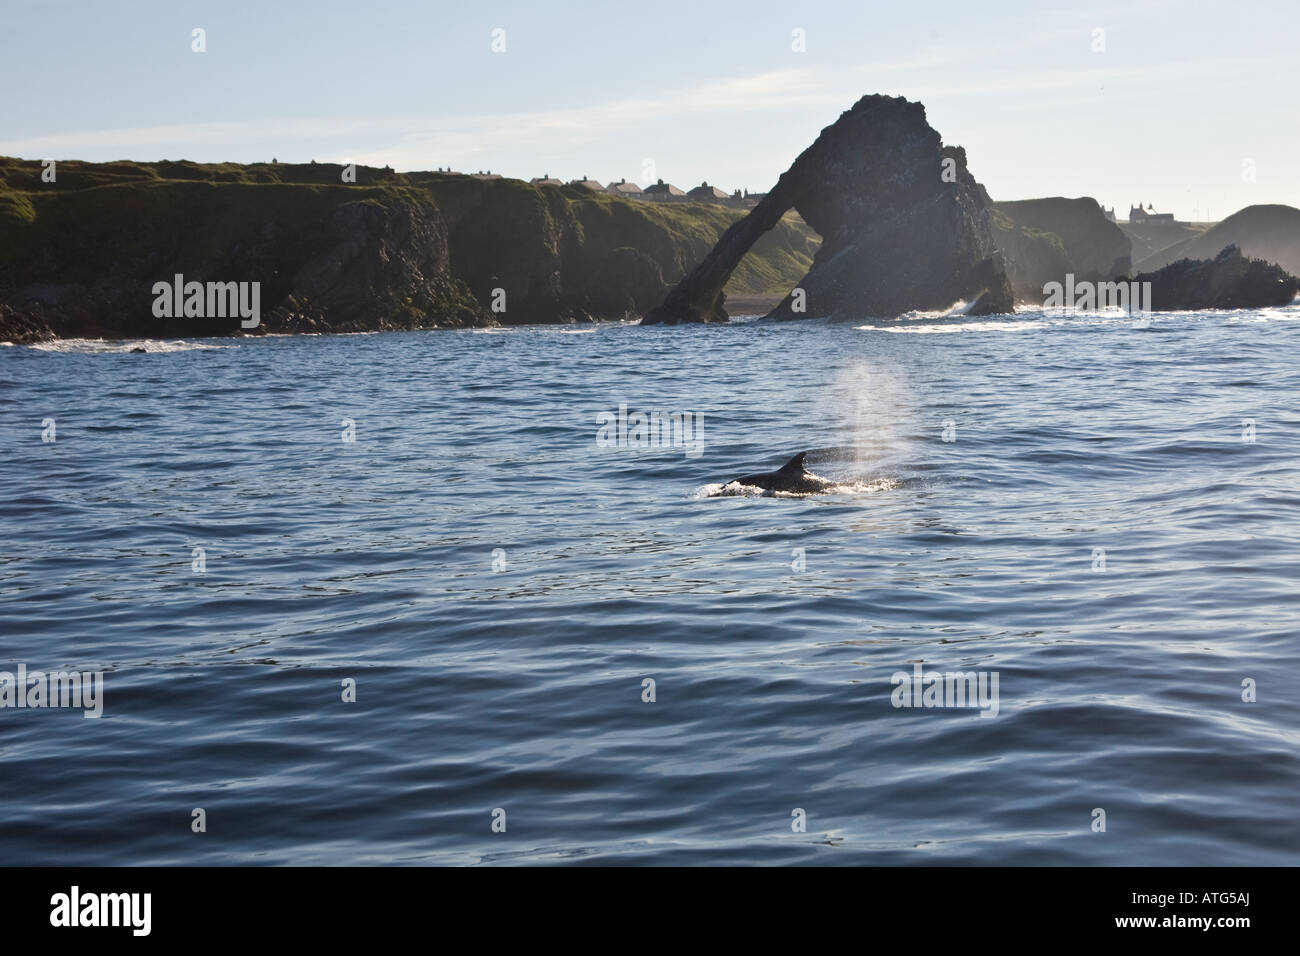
pixel 1228 281
pixel 139 348
pixel 989 275
pixel 24 328
pixel 904 226
pixel 1043 240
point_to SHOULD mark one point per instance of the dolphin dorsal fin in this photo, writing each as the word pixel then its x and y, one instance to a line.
pixel 795 464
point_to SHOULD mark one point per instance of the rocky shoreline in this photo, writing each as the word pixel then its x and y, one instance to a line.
pixel 877 217
pixel 83 255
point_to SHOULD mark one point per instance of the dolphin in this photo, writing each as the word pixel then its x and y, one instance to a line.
pixel 790 477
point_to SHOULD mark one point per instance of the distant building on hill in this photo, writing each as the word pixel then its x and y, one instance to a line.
pixel 546 180
pixel 706 193
pixel 1136 214
pixel 589 183
pixel 745 199
pixel 1109 213
pixel 664 192
pixel 625 189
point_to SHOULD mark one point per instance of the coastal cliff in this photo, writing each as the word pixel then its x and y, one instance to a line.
pixel 1044 239
pixel 80 256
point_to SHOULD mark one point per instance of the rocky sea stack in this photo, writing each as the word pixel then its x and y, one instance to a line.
pixel 1228 281
pixel 904 226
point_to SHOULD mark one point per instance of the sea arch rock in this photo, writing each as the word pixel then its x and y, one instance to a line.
pixel 904 226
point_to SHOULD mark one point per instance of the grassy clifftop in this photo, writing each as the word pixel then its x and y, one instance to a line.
pixel 393 250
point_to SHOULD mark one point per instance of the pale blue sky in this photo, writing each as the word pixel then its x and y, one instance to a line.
pixel 1184 93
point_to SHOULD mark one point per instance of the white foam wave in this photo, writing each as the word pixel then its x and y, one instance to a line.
pixel 951 327
pixel 119 346
pixel 1029 318
pixel 960 307
pixel 585 329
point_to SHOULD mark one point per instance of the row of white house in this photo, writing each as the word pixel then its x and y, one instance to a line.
pixel 660 191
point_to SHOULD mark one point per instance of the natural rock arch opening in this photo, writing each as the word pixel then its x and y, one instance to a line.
pixel 772 267
pixel 904 225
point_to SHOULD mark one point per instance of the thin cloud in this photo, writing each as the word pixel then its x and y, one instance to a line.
pixel 413 139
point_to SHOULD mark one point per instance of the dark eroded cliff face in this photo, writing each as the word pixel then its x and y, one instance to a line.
pixel 1042 240
pixel 80 256
pixel 1228 281
pixel 904 226
pixel 86 258
pixel 565 254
